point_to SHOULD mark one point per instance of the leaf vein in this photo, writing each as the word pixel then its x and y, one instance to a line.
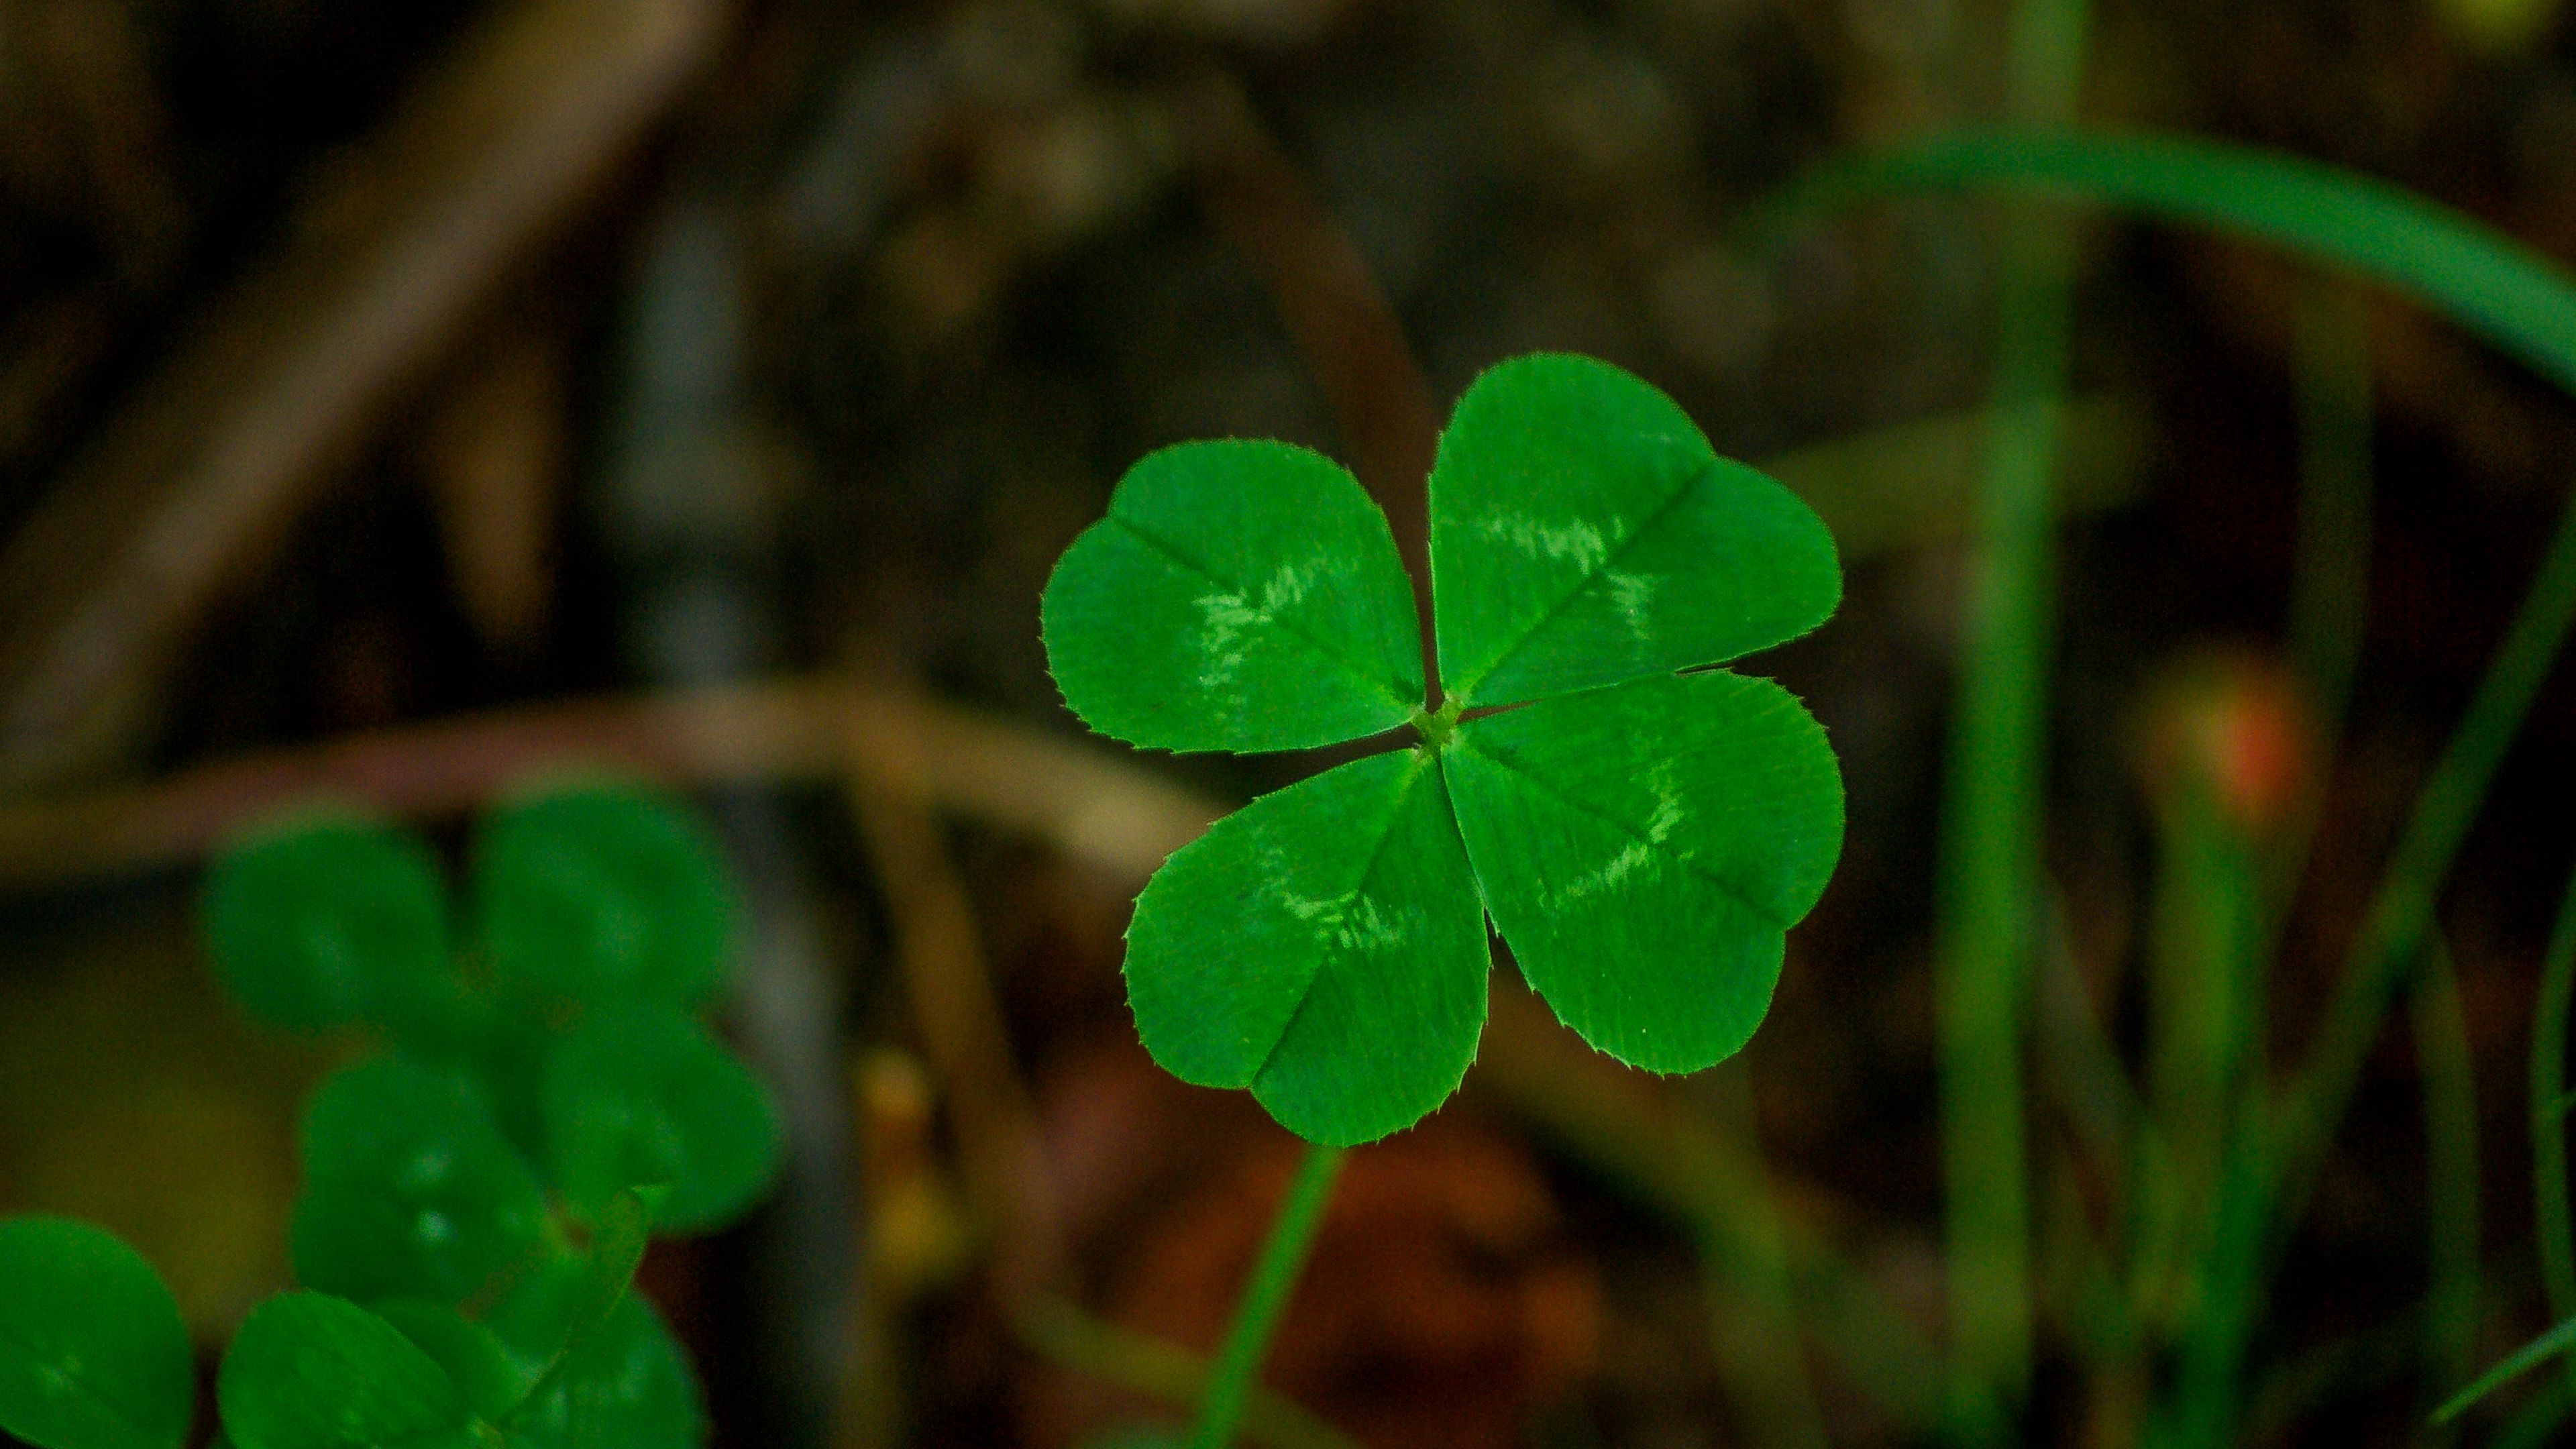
pixel 1654 516
pixel 1368 868
pixel 1326 651
pixel 1730 889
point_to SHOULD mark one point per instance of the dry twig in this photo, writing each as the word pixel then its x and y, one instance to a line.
pixel 963 1035
pixel 217 453
pixel 1097 809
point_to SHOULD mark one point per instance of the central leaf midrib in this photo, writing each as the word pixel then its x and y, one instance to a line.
pixel 1331 656
pixel 1368 868
pixel 1645 526
pixel 1730 889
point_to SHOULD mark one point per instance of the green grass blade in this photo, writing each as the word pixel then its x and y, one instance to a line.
pixel 2204 989
pixel 2079 1062
pixel 1991 847
pixel 2495 287
pixel 1996 787
pixel 2535 1425
pixel 2402 912
pixel 2209 1375
pixel 2556 1341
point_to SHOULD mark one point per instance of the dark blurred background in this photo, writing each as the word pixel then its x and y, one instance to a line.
pixel 398 398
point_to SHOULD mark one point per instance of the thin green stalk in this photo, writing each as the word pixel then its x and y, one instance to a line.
pixel 1992 849
pixel 2272 1174
pixel 2496 288
pixel 1997 769
pixel 2402 913
pixel 2205 1009
pixel 2451 1171
pixel 2081 1288
pixel 1265 1298
pixel 2210 1377
pixel 2079 1062
pixel 2550 1217
pixel 2328 599
pixel 2521 1361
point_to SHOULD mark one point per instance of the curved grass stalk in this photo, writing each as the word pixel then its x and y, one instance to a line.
pixel 2493 286
pixel 2522 1361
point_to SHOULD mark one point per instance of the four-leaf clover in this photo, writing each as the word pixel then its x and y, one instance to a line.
pixel 1641 827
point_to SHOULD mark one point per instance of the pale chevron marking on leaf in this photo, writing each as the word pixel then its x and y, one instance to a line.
pixel 1627 539
pixel 1638 853
pixel 1373 929
pixel 1578 541
pixel 1630 594
pixel 1328 653
pixel 1228 615
pixel 1542 786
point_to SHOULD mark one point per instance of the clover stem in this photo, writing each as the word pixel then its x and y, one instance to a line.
pixel 1265 1298
pixel 1438 729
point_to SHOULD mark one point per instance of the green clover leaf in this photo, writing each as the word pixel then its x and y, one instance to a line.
pixel 310 1371
pixel 642 1094
pixel 410 1189
pixel 493 1380
pixel 613 1377
pixel 320 921
pixel 603 893
pixel 1583 532
pixel 1642 828
pixel 93 1354
pixel 1239 596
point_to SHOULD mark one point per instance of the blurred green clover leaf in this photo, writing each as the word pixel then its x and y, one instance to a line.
pixel 476 1201
pixel 93 1355
pixel 1642 827
pixel 556 1051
